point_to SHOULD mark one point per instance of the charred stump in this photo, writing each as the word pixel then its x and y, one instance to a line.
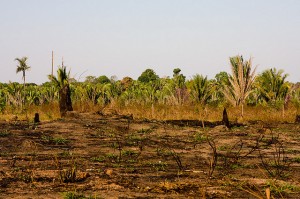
pixel 297 119
pixel 65 103
pixel 36 118
pixel 225 119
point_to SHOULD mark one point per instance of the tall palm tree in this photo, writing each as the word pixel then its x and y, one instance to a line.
pixel 62 83
pixel 22 66
pixel 240 81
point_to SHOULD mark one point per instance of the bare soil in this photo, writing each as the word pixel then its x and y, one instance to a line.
pixel 115 156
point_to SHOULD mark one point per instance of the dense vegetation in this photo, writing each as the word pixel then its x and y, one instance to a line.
pixel 240 88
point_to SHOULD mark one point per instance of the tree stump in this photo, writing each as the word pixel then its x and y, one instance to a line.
pixel 225 119
pixel 36 118
pixel 297 119
pixel 65 103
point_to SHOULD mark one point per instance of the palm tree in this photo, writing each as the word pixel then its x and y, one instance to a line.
pixel 13 92
pixel 180 87
pixel 62 83
pixel 272 85
pixel 240 82
pixel 22 66
pixel 201 89
pixel 221 80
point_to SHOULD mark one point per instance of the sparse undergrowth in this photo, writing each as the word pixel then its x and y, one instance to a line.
pixel 101 157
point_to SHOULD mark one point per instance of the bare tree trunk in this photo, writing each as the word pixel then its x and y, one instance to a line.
pixel 65 103
pixel 69 102
pixel 24 92
pixel 62 102
pixel 242 110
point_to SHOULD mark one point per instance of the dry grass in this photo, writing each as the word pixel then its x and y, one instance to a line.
pixel 50 112
pixel 156 161
pixel 47 112
pixel 161 112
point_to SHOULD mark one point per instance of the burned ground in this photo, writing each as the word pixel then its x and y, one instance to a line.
pixel 112 156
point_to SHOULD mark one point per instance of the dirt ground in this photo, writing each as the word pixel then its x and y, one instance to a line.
pixel 90 155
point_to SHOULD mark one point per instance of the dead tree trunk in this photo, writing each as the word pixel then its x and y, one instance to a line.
pixel 65 103
pixel 69 102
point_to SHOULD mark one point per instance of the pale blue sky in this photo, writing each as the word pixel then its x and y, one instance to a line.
pixel 125 37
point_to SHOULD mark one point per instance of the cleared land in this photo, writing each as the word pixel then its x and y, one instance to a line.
pixel 115 156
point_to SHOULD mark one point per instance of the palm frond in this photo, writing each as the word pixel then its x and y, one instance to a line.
pixel 22 65
pixel 62 78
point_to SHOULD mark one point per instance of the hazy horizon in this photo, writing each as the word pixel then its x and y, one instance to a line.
pixel 124 38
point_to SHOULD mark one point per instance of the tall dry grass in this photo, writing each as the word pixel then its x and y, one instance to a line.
pixel 47 112
pixel 163 112
pixel 50 112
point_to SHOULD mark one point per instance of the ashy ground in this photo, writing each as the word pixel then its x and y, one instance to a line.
pixel 90 155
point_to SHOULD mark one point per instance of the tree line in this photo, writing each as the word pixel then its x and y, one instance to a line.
pixel 241 87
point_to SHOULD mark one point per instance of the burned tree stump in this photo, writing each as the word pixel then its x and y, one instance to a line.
pixel 65 103
pixel 225 119
pixel 36 118
pixel 297 120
